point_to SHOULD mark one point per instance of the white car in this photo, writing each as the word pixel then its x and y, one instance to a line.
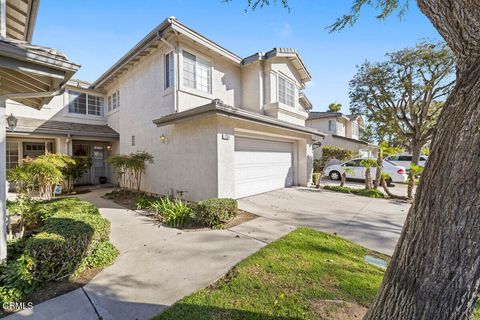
pixel 404 160
pixel 397 173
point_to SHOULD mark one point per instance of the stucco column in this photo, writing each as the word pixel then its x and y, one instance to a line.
pixel 3 184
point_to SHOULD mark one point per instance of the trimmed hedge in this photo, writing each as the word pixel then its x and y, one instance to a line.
pixel 371 193
pixel 74 236
pixel 213 212
pixel 67 238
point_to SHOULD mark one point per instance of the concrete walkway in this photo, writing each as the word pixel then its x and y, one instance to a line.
pixel 373 223
pixel 157 266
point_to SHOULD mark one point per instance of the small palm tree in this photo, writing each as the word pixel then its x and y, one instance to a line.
pixel 383 151
pixel 383 180
pixel 368 164
pixel 415 171
pixel 345 170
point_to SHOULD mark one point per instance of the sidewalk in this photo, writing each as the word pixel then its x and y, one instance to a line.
pixel 156 267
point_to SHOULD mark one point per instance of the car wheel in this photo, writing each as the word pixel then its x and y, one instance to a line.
pixel 334 175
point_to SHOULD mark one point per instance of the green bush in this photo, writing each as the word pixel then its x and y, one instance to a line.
pixel 16 280
pixel 102 255
pixel 143 202
pixel 67 238
pixel 371 193
pixel 175 213
pixel 214 212
pixel 316 178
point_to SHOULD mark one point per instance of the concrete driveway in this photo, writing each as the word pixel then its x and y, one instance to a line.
pixel 373 223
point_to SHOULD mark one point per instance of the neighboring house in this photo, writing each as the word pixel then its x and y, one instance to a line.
pixel 342 131
pixel 218 125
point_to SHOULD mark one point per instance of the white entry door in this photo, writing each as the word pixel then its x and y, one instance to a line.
pixel 262 165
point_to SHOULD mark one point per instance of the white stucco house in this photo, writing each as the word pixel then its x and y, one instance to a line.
pixel 342 131
pixel 218 125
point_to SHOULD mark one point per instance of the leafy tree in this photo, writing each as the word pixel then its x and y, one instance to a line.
pixel 384 150
pixel 405 94
pixel 130 168
pixel 435 270
pixel 334 107
pixel 75 170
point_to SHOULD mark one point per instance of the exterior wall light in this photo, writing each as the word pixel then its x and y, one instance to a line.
pixel 12 122
pixel 163 138
pixel 109 147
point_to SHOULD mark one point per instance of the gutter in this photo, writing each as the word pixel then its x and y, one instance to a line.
pixel 217 107
pixel 351 139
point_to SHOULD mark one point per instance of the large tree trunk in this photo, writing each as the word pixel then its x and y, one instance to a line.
pixel 435 270
pixel 416 150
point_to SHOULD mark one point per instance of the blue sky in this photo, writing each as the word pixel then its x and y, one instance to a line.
pixel 95 33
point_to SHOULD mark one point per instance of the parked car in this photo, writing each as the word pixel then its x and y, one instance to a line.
pixel 406 159
pixel 397 173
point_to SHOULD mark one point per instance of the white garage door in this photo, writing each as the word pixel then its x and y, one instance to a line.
pixel 262 165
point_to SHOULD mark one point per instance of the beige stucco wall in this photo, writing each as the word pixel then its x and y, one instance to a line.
pixel 346 144
pixel 56 109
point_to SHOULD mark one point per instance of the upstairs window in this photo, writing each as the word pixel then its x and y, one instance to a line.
pixel 168 70
pixel 85 103
pixel 197 73
pixel 330 125
pixel 114 101
pixel 286 91
pixel 355 129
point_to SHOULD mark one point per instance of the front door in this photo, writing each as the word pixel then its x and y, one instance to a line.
pixel 98 163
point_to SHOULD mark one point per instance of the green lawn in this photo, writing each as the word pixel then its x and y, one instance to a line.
pixel 289 279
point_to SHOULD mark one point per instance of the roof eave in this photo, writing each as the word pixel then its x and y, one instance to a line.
pixel 217 107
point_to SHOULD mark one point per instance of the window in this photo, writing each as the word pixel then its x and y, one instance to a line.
pixel 133 141
pixel 12 155
pixel 286 92
pixel 85 103
pixel 330 125
pixel 355 130
pixel 197 73
pixel 114 101
pixel 405 158
pixel 353 163
pixel 169 70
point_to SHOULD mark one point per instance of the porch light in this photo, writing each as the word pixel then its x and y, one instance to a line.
pixel 12 122
pixel 163 138
pixel 109 147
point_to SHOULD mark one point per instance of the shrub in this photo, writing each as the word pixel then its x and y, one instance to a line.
pixel 143 202
pixel 214 212
pixel 371 193
pixel 102 255
pixel 67 238
pixel 175 213
pixel 16 279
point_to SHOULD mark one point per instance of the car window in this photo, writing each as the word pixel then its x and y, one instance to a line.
pixel 405 158
pixel 353 163
pixel 423 159
pixel 389 162
pixel 393 158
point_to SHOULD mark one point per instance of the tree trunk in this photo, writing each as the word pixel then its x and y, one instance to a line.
pixel 378 173
pixel 411 185
pixel 416 151
pixel 343 179
pixel 435 270
pixel 390 194
pixel 368 179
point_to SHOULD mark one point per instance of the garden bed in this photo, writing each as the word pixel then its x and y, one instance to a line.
pixel 230 215
pixel 66 246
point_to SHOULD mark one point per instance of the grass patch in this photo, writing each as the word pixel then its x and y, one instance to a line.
pixel 291 278
pixel 371 193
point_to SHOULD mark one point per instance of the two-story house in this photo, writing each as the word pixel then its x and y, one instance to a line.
pixel 218 125
pixel 342 131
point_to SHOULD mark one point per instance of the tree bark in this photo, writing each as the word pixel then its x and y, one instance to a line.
pixel 416 151
pixel 435 269
pixel 368 179
pixel 378 173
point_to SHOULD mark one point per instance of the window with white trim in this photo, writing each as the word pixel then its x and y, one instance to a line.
pixel 114 101
pixel 330 125
pixel 85 103
pixel 355 129
pixel 169 70
pixel 286 91
pixel 197 73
